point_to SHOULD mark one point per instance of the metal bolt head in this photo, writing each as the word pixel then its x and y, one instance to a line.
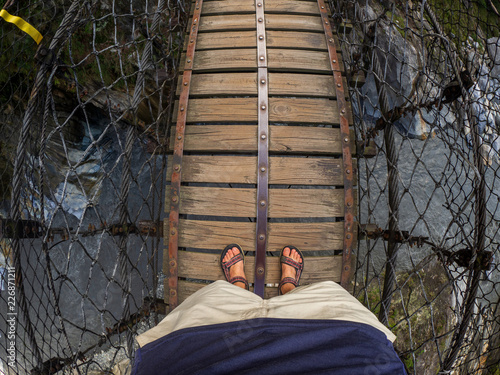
pixel 330 40
pixel 185 83
pixel 263 107
pixel 179 137
pixel 263 136
pixel 261 237
pixel 338 84
pixel 334 61
pixel 174 199
pixel 261 58
pixel 173 293
pixel 349 204
pixel 262 81
pixel 343 110
pixel 260 20
pixel 348 171
pixel 346 139
pixel 348 236
pixel 263 169
pixel 177 167
pixel 260 270
pixel 182 109
pixel 263 203
pixel 259 4
pixel 189 60
pixel 261 37
pixel 172 232
pixel 326 22
pixel 172 263
pixel 191 41
pixel 322 7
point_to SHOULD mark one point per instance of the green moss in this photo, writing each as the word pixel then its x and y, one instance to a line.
pixel 399 23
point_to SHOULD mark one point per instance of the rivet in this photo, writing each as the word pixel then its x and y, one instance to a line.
pixel 263 81
pixel 261 37
pixel 174 199
pixel 348 236
pixel 262 169
pixel 191 41
pixel 263 136
pixel 177 168
pixel 346 139
pixel 338 84
pixel 260 20
pixel 172 263
pixel 261 237
pixel 330 40
pixel 182 109
pixel 262 203
pixel 334 61
pixel 189 60
pixel 261 58
pixel 349 204
pixel 326 22
pixel 346 268
pixel 194 22
pixel 179 137
pixel 322 7
pixel 260 270
pixel 348 171
pixel 259 4
pixel 197 8
pixel 263 107
pixel 185 83
pixel 343 111
pixel 173 292
pixel 172 232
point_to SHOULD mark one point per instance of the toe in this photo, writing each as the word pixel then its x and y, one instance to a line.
pixel 286 251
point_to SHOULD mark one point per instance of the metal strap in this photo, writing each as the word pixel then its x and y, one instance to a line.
pixel 173 240
pixel 263 155
pixel 345 277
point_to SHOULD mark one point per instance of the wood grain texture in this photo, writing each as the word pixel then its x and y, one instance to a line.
pixel 285 110
pixel 283 203
pixel 223 60
pixel 186 288
pixel 243 138
pixel 298 60
pixel 207 267
pixel 226 39
pixel 245 83
pixel 217 234
pixel 243 170
pixel 248 6
pixel 233 22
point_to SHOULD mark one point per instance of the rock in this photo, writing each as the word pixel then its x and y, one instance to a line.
pixel 493 46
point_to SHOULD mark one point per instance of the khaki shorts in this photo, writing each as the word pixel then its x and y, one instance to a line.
pixel 221 302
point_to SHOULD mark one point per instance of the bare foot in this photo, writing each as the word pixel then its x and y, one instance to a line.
pixel 289 271
pixel 237 269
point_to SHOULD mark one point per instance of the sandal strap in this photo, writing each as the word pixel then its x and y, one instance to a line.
pixel 287 280
pixel 240 279
pixel 226 266
pixel 289 261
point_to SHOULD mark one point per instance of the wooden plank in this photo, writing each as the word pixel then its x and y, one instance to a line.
pixel 248 6
pixel 211 84
pixel 298 60
pixel 217 234
pixel 283 203
pixel 242 169
pixel 186 288
pixel 223 60
pixel 243 138
pixel 274 39
pixel 232 22
pixel 293 22
pixel 207 267
pixel 226 39
pixel 283 110
pixel 285 84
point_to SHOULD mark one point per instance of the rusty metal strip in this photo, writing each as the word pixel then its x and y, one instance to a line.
pixel 173 240
pixel 263 154
pixel 349 209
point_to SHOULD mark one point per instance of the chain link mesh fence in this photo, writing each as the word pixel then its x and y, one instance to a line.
pixel 84 118
pixel 425 93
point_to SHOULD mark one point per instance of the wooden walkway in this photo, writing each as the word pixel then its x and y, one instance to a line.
pixel 261 154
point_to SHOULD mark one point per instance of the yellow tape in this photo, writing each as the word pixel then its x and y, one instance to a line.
pixel 23 25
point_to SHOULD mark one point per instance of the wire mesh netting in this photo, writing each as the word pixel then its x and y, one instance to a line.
pixel 84 118
pixel 425 95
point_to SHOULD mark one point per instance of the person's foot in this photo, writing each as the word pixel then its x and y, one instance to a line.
pixel 236 270
pixel 289 271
